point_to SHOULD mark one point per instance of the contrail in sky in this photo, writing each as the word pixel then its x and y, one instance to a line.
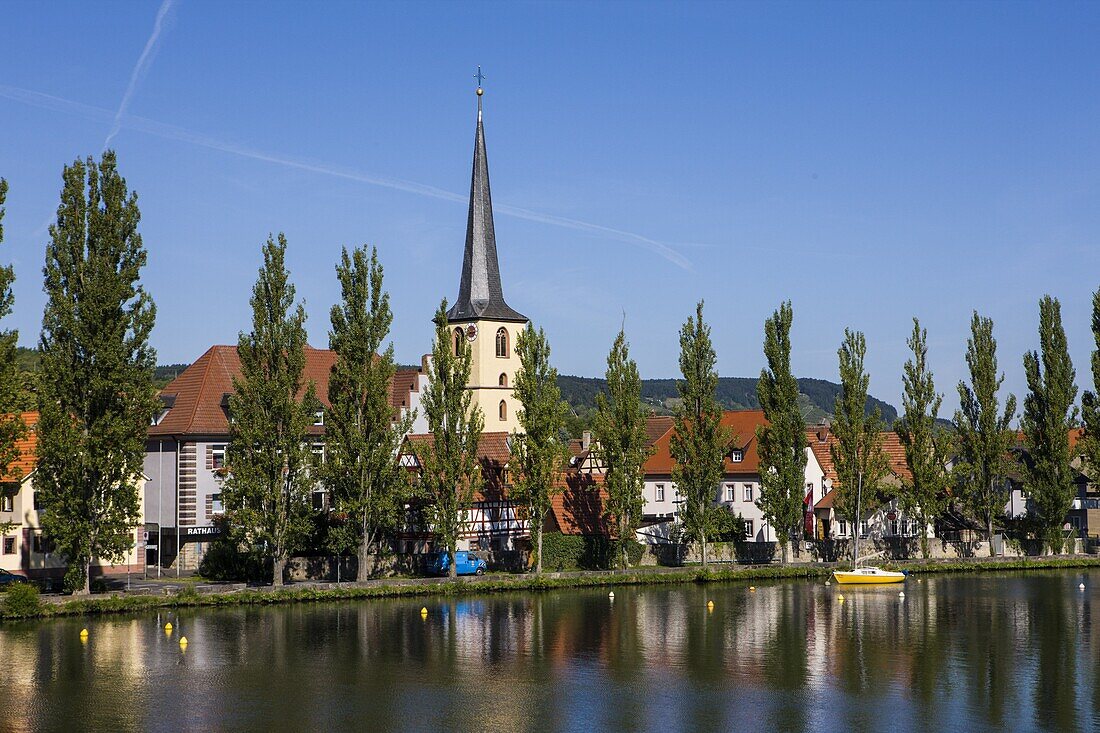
pixel 140 68
pixel 173 132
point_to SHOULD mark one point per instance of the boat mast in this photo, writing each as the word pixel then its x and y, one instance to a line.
pixel 855 527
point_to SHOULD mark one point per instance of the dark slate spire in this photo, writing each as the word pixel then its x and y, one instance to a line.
pixel 479 292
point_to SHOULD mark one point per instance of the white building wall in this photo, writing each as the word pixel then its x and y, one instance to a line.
pixel 740 503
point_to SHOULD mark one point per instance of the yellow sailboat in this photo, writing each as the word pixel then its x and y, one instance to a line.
pixel 868 575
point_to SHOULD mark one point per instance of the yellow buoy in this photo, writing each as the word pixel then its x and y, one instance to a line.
pixel 424 612
pixel 168 626
pixel 752 589
pixel 183 642
pixel 611 595
pixel 710 604
pixel 83 634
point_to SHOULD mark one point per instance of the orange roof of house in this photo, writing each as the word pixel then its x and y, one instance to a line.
pixel 742 425
pixel 490 447
pixel 493 453
pixel 199 391
pixel 579 507
pixel 22 466
pixel 891 446
pixel 1075 435
pixel 657 427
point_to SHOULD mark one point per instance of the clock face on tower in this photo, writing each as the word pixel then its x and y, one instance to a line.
pixel 471 332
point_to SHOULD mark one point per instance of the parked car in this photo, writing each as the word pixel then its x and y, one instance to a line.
pixel 466 563
pixel 8 578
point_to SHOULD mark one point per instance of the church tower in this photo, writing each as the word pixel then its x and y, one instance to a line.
pixel 479 315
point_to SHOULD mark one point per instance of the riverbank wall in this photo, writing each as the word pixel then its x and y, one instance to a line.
pixel 193 595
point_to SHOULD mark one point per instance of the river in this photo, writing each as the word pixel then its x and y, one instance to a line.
pixel 983 652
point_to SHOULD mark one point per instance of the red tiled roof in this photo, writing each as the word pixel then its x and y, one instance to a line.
pixel 493 454
pixel 656 427
pixel 199 390
pixel 490 447
pixel 891 446
pixel 579 507
pixel 22 466
pixel 742 426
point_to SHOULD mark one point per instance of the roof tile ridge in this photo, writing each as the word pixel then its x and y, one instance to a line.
pixel 215 349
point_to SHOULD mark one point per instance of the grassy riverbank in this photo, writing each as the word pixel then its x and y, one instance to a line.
pixel 189 597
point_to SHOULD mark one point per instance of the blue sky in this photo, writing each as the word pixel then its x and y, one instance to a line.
pixel 872 162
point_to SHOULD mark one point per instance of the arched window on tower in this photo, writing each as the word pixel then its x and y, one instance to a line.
pixel 503 381
pixel 502 342
pixel 458 341
pixel 503 409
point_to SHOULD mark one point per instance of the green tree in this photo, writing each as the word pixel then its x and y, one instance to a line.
pixel 538 451
pixel 699 441
pixel 363 432
pixel 857 452
pixel 266 494
pixel 1089 446
pixel 924 495
pixel 450 469
pixel 619 431
pixel 983 434
pixel 1049 415
pixel 95 390
pixel 11 383
pixel 782 439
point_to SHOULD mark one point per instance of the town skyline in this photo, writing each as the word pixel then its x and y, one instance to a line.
pixel 579 194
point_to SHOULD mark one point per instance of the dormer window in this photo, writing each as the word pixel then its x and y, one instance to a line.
pixel 319 418
pixel 737 455
pixel 167 401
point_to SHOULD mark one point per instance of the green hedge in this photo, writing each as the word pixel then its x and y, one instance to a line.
pixel 22 601
pixel 223 561
pixel 585 552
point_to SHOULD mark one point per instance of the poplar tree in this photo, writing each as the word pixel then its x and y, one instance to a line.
pixel 924 495
pixel 781 440
pixel 266 494
pixel 699 442
pixel 619 430
pixel 538 451
pixel 450 468
pixel 1049 415
pixel 11 386
pixel 1090 402
pixel 363 431
pixel 983 434
pixel 95 391
pixel 857 452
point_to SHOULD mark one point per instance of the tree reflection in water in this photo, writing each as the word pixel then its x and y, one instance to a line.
pixel 989 652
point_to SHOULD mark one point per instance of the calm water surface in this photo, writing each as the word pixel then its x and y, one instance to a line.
pixel 978 653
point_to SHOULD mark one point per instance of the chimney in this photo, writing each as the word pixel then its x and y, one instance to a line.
pixel 586 439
